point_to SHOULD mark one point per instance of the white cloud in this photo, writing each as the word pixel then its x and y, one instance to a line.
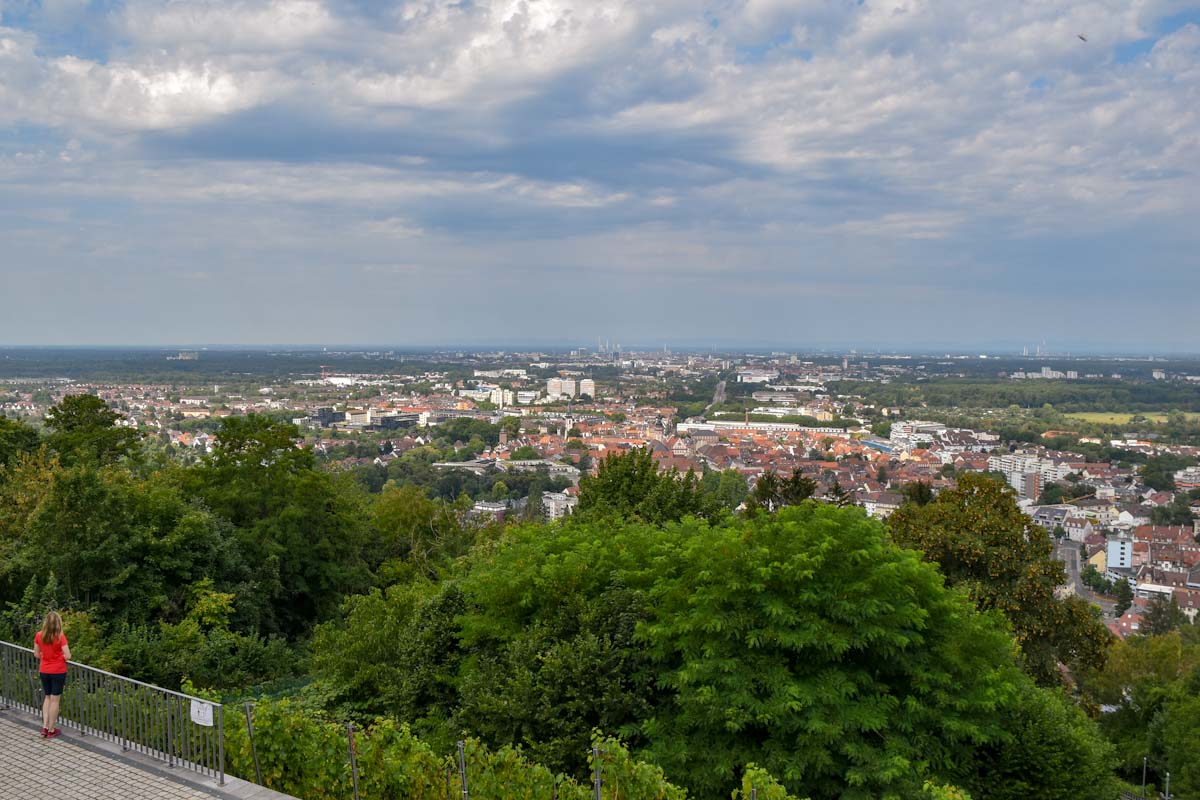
pixel 668 138
pixel 242 25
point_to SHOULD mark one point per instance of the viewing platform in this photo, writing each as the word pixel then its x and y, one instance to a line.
pixel 121 740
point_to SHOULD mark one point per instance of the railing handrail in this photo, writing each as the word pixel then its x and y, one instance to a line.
pixel 123 678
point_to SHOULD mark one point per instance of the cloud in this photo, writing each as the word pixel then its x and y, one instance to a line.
pixel 780 139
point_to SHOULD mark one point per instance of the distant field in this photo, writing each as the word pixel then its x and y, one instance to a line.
pixel 1116 418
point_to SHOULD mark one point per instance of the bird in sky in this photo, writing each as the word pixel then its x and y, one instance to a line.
pixel 1081 36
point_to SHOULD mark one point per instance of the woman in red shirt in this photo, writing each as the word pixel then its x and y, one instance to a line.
pixel 50 646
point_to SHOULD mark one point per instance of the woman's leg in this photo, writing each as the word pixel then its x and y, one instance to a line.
pixel 46 712
pixel 54 701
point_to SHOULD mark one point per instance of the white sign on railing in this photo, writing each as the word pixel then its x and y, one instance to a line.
pixel 202 713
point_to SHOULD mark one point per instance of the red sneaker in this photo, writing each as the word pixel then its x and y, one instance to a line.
pixel 44 733
pixel 54 733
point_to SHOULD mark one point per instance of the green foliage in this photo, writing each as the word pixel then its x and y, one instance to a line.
pixel 1092 579
pixel 1054 752
pixel 1159 471
pixel 625 778
pixel 984 543
pixel 125 546
pixel 303 533
pixel 84 429
pixel 308 757
pixel 1162 616
pixel 759 784
pixel 1177 512
pixel 630 485
pixel 918 493
pixel 395 652
pixel 16 438
pixel 1151 683
pixel 772 492
pixel 1124 594
pixel 723 490
pixel 773 636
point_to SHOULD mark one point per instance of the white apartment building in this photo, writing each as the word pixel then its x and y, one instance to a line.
pixel 1016 466
pixel 588 386
pixel 558 504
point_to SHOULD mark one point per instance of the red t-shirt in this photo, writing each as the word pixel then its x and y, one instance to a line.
pixel 53 661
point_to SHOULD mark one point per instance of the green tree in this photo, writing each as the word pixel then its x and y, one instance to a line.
pixel 1177 512
pixel 1159 471
pixel 772 492
pixel 16 438
pixel 1055 752
pixel 126 547
pixel 1162 616
pixel 1051 495
pixel 1124 594
pixel 83 428
pixel 983 542
pixel 303 532
pixel 724 490
pixel 771 636
pixel 630 485
pixel 918 493
pixel 525 453
pixel 838 496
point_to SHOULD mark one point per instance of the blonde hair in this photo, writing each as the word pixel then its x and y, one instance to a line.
pixel 51 628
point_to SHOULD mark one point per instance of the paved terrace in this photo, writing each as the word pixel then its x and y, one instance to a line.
pixel 73 767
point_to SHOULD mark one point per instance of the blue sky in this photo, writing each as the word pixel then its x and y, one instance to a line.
pixel 876 173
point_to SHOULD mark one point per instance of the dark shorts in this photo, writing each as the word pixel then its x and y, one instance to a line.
pixel 52 683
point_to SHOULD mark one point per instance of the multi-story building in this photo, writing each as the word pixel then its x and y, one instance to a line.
pixel 588 386
pixel 1016 466
pixel 1188 478
pixel 1120 557
pixel 558 504
pixel 358 416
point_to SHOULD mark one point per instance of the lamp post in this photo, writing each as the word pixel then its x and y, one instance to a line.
pixel 1144 777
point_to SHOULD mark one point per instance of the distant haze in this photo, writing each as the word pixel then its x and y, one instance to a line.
pixel 890 174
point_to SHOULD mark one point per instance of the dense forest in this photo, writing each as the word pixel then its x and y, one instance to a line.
pixel 1066 396
pixel 794 644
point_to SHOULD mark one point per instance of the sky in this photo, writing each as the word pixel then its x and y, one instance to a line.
pixel 797 173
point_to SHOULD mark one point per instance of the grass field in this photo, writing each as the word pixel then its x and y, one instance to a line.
pixel 1119 418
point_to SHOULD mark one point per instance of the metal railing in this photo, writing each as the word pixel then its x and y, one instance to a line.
pixel 140 717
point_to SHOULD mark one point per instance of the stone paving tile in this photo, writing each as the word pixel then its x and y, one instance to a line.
pixel 33 768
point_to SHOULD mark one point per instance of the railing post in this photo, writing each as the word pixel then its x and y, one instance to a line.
pixel 462 768
pixel 597 781
pixel 221 743
pixel 169 707
pixel 353 758
pixel 253 749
